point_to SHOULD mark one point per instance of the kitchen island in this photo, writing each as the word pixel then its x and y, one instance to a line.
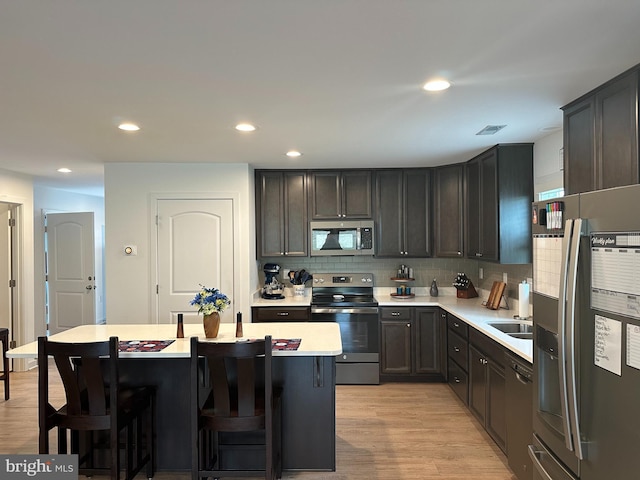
pixel 307 376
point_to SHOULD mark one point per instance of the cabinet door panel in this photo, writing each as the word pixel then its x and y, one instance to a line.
pixel 356 194
pixel 489 206
pixel 271 217
pixel 295 225
pixel 497 405
pixel 448 208
pixel 417 207
pixel 325 195
pixel 427 337
pixel 477 384
pixel 389 218
pixel 617 146
pixel 472 173
pixel 579 147
pixel 396 347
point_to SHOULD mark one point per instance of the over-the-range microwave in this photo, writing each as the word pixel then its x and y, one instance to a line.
pixel 341 237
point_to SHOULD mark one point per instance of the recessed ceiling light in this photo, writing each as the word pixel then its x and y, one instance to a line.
pixel 64 170
pixel 436 85
pixel 129 127
pixel 293 154
pixel 245 127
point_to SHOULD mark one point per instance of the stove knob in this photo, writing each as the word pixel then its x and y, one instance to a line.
pixel 369 280
pixel 363 279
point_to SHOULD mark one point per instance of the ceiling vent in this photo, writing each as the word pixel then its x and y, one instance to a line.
pixel 490 129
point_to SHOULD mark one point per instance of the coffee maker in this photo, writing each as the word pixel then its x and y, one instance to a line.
pixel 273 289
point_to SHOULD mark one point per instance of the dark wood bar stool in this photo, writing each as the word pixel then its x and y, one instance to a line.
pixel 101 409
pixel 4 338
pixel 236 397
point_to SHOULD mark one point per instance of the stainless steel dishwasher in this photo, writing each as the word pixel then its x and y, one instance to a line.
pixel 519 385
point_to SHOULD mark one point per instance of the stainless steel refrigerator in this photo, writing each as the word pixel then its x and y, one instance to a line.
pixel 586 307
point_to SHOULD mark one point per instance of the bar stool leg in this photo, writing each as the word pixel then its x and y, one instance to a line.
pixel 4 336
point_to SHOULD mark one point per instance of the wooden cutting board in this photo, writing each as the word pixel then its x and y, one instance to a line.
pixel 495 296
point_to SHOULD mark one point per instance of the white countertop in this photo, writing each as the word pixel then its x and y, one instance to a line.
pixel 473 313
pixel 318 339
pixel 470 311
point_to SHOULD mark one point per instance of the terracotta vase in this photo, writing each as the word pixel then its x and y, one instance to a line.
pixel 211 324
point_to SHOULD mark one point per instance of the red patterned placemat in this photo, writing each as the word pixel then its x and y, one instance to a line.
pixel 143 345
pixel 285 343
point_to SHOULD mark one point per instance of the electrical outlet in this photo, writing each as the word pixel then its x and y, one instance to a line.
pixel 504 277
pixel 481 273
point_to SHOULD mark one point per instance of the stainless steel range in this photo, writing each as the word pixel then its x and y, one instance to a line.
pixel 347 298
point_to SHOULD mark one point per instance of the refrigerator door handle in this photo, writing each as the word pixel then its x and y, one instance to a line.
pixel 569 337
pixel 562 320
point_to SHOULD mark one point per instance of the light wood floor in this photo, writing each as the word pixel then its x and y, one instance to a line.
pixel 394 431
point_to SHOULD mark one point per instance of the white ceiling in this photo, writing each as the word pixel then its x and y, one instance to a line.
pixel 340 80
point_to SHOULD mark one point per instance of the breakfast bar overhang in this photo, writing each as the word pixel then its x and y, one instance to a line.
pixel 307 377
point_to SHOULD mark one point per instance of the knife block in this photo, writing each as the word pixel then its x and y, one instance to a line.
pixel 470 292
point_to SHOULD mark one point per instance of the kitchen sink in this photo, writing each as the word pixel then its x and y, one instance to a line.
pixel 522 335
pixel 514 329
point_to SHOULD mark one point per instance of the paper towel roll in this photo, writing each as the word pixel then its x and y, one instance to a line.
pixel 523 300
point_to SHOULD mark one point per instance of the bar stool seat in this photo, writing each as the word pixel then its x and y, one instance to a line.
pixel 4 338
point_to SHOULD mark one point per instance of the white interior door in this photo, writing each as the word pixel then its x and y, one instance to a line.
pixel 5 267
pixel 70 270
pixel 195 247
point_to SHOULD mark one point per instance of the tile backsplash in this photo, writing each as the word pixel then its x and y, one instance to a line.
pixel 444 270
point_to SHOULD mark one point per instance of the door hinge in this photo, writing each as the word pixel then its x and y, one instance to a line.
pixel 45 229
pixel 12 283
pixel 12 222
pixel 12 344
pixel 157 289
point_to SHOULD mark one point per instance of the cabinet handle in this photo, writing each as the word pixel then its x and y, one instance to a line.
pixel 483 361
pixel 456 324
pixel 456 349
pixel 459 253
pixel 478 254
pixel 395 314
pixel 282 314
pixel 409 325
pixel 456 379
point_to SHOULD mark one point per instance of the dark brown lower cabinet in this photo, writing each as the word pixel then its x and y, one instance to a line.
pixel 487 388
pixel 411 344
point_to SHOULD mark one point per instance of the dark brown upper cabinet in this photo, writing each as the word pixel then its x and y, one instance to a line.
pixel 498 204
pixel 336 195
pixel 281 213
pixel 448 210
pixel 403 206
pixel 601 136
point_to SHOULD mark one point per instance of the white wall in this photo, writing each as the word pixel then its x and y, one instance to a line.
pixel 18 189
pixel 547 166
pixel 128 188
pixel 52 200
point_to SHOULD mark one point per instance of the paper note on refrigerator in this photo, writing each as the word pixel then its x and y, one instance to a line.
pixel 633 346
pixel 607 344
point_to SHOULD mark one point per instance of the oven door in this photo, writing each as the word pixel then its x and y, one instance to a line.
pixel 359 363
pixel 358 329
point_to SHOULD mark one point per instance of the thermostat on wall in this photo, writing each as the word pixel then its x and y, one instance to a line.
pixel 130 250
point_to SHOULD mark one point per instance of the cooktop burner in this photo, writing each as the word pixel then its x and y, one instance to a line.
pixel 343 290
